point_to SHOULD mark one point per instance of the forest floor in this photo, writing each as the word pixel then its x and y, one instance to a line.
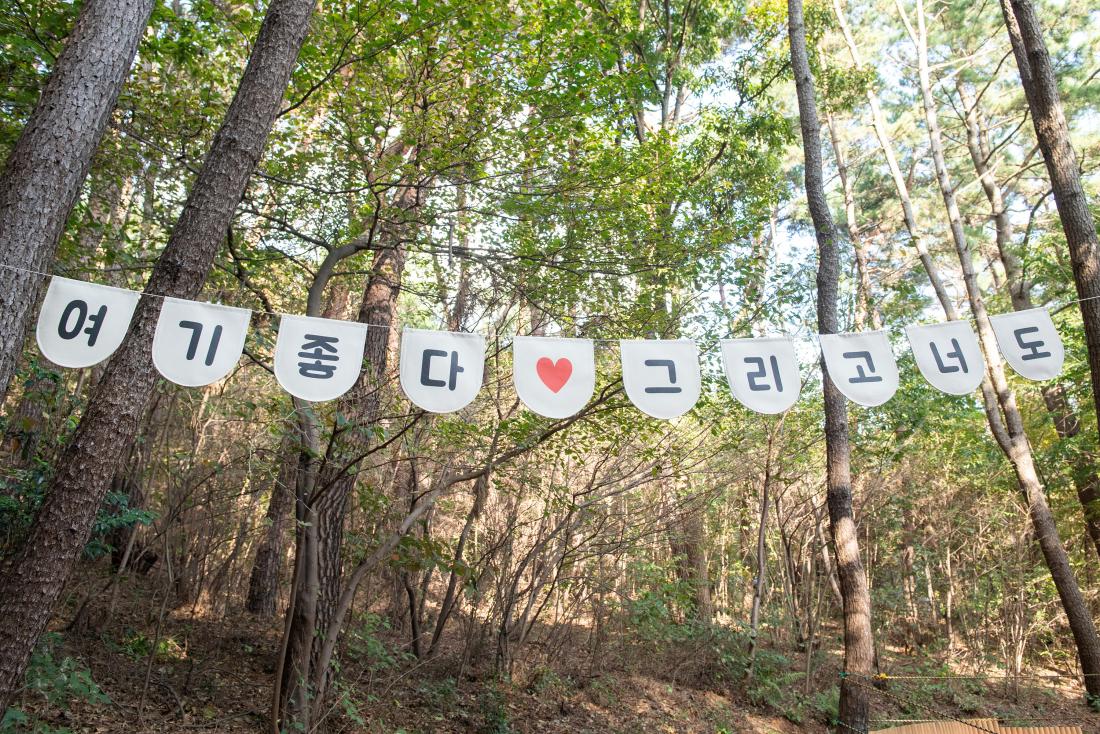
pixel 213 673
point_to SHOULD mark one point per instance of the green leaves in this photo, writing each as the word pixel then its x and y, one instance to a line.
pixel 56 682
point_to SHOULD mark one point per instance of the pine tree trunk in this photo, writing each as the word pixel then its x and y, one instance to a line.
pixel 1066 422
pixel 758 583
pixel 263 582
pixel 865 302
pixel 882 132
pixel 38 574
pixel 1009 432
pixel 47 166
pixel 1051 130
pixel 858 636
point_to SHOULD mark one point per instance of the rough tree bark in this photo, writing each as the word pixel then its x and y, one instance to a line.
pixel 37 575
pixel 263 581
pixel 858 637
pixel 1007 426
pixel 1051 130
pixel 45 169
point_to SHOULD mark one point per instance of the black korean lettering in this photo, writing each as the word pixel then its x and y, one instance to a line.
pixel 94 321
pixel 1031 348
pixel 426 369
pixel 196 334
pixel 861 373
pixel 671 367
pixel 316 370
pixel 81 309
pixel 955 354
pixel 761 372
pixel 319 349
pixel 212 350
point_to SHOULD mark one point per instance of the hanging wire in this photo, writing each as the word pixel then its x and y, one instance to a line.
pixel 157 295
pixel 611 340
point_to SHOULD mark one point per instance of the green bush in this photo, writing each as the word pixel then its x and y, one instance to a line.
pixel 494 713
pixel 366 646
pixel 58 683
pixel 440 694
pixel 21 495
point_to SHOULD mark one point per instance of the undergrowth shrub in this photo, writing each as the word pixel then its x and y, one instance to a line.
pixel 494 712
pixel 51 684
pixel 21 495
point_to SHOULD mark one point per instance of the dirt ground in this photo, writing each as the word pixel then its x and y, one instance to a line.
pixel 193 671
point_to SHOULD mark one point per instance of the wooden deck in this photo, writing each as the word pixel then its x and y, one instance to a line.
pixel 976 726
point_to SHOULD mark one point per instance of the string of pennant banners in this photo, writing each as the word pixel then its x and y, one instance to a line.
pixel 81 324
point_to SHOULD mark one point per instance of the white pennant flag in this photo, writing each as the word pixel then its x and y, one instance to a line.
pixel 762 373
pixel 198 343
pixel 82 324
pixel 1030 343
pixel 948 355
pixel 318 359
pixel 441 371
pixel 554 377
pixel 661 376
pixel 861 365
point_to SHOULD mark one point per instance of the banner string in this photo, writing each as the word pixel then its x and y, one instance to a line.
pixel 1054 309
pixel 162 297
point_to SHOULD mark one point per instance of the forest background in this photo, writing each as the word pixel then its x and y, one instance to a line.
pixel 231 559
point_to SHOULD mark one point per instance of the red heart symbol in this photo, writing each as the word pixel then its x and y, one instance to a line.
pixel 554 374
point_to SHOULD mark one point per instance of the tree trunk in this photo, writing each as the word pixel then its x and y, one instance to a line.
pixel 761 560
pixel 1010 433
pixel 1051 130
pixel 301 694
pixel 865 302
pixel 45 169
pixel 481 490
pixel 698 568
pixel 263 582
pixel 38 574
pixel 858 636
pixel 908 213
pixel 1066 423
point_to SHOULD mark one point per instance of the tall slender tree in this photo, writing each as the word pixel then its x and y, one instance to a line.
pixel 1063 414
pixel 1005 419
pixel 1025 32
pixel 855 594
pixel 300 694
pixel 47 166
pixel 901 183
pixel 263 580
pixel 37 575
